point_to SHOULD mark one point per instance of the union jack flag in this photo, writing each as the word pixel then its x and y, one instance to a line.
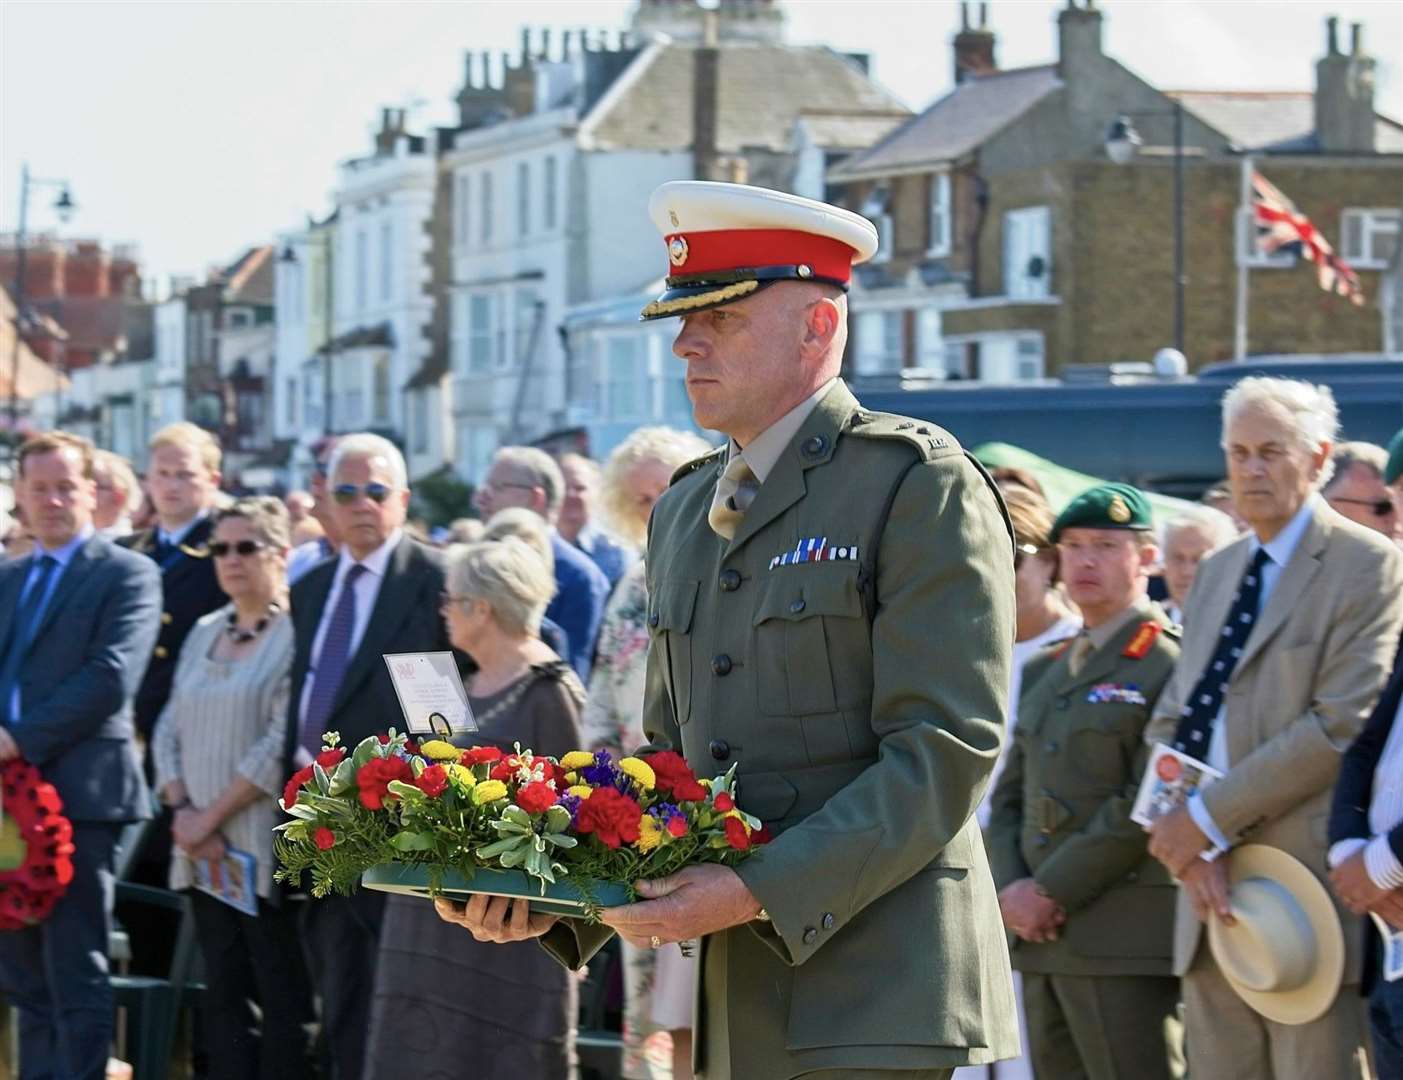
pixel 1281 227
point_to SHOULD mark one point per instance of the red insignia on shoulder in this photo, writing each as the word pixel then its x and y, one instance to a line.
pixel 1143 639
pixel 1063 647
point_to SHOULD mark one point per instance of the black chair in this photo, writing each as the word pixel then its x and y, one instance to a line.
pixel 599 1039
pixel 154 1004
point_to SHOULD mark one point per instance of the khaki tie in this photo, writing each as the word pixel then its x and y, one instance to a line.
pixel 1081 651
pixel 735 491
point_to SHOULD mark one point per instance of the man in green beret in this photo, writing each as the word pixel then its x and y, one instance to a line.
pixel 1090 911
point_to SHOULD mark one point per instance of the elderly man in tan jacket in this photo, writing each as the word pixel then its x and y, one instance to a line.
pixel 1290 635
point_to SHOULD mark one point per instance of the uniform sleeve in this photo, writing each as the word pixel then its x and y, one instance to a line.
pixel 1003 837
pixel 945 550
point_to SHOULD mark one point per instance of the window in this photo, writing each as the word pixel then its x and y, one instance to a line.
pixel 238 318
pixel 419 436
pixel 623 376
pixel 875 209
pixel 484 190
pixel 1028 355
pixel 939 221
pixel 930 342
pixel 290 405
pixel 1248 253
pixel 878 343
pixel 1028 253
pixel 311 400
pixel 1368 238
pixel 380 387
pixel 548 194
pixel 499 338
pixel 479 333
pixel 461 217
pixel 525 325
pixel 523 199
pixel 362 269
pixel 387 261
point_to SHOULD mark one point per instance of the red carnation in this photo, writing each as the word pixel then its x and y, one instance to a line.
pixel 724 802
pixel 762 835
pixel 329 759
pixel 294 785
pixel 677 825
pixel 373 779
pixel 432 781
pixel 535 797
pixel 325 838
pixel 479 755
pixel 673 774
pixel 410 746
pixel 610 816
pixel 736 835
pixel 504 770
pixel 384 740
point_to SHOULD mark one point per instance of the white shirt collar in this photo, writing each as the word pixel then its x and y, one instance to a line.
pixel 375 562
pixel 1283 545
pixel 765 449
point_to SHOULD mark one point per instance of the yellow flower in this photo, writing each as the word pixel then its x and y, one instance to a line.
pixel 489 791
pixel 461 775
pixel 739 817
pixel 650 833
pixel 704 782
pixel 580 791
pixel 439 750
pixel 577 759
pixel 639 771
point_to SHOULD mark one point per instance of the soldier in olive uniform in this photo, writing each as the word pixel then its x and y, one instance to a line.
pixel 1091 911
pixel 831 607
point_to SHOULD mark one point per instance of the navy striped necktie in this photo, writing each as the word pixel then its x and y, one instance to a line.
pixel 332 663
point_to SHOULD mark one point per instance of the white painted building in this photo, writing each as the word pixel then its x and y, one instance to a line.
pixel 167 403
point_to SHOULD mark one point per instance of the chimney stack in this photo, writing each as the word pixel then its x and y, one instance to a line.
pixel 974 45
pixel 1344 94
pixel 1078 38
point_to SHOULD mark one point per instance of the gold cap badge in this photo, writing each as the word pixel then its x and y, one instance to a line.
pixel 1118 511
pixel 677 251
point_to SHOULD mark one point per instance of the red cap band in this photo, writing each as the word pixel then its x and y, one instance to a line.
pixel 740 249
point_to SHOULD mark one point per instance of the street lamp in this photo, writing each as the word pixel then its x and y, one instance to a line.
pixel 64 206
pixel 1123 144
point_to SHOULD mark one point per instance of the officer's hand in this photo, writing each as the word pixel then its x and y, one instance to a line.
pixel 1390 908
pixel 494 918
pixel 694 901
pixel 1029 912
pixel 1354 886
pixel 1177 841
pixel 9 749
pixel 1207 886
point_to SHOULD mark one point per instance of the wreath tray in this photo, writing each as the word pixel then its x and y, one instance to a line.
pixel 560 898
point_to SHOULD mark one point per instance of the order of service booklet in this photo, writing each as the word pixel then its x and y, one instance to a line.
pixel 1171 779
pixel 233 879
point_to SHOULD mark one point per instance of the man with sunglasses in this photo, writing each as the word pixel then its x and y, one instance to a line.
pixel 379 595
pixel 1358 490
pixel 305 556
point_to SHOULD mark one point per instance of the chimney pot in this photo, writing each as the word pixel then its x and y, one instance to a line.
pixel 1356 38
pixel 1332 27
pixel 964 14
pixel 545 43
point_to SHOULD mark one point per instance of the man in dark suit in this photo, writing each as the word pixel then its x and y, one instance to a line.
pixel 380 595
pixel 1366 858
pixel 78 618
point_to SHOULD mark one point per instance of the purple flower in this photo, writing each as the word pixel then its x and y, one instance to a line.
pixel 602 773
pixel 666 811
pixel 572 804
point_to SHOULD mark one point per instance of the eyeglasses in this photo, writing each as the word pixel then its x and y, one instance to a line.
pixel 1021 552
pixel 1377 507
pixel 498 485
pixel 447 599
pixel 346 493
pixel 220 548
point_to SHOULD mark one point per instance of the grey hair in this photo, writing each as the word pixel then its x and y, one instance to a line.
pixel 119 471
pixel 670 446
pixel 1349 454
pixel 537 468
pixel 509 576
pixel 1213 523
pixel 365 444
pixel 266 516
pixel 518 523
pixel 1315 418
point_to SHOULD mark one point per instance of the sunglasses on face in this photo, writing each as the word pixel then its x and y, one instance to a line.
pixel 221 548
pixel 346 493
pixel 1377 507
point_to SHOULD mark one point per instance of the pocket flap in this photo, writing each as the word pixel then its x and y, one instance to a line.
pixel 805 591
pixel 672 605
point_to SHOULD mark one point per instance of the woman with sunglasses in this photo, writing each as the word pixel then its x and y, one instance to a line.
pixel 218 747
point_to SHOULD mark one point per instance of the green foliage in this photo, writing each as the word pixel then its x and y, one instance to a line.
pixel 441 498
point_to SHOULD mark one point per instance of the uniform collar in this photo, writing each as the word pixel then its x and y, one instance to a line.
pixel 1102 634
pixel 171 539
pixel 765 449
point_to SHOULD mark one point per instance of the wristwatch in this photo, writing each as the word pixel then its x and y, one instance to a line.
pixel 762 916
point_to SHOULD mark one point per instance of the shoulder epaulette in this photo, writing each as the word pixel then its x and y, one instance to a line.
pixel 695 464
pixel 929 440
pixel 1143 640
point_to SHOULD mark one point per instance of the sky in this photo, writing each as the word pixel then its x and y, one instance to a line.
pixel 197 128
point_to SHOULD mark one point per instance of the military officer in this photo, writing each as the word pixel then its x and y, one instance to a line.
pixel 1091 912
pixel 831 607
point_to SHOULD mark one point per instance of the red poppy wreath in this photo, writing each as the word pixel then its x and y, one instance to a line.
pixel 36 847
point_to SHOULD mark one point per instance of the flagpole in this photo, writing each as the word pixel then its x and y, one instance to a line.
pixel 1244 202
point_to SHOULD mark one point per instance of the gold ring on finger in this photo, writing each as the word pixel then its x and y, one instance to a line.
pixel 655 941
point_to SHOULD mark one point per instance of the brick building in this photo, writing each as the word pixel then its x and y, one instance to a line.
pixel 1015 246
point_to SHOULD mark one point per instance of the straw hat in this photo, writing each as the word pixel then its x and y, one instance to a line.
pixel 1286 955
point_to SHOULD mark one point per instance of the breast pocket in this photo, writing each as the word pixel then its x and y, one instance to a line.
pixel 1104 743
pixel 672 607
pixel 811 645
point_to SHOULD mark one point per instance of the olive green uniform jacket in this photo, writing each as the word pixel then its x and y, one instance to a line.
pixel 863 699
pixel 1061 810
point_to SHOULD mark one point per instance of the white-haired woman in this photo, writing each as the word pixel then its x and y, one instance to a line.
pixel 657 983
pixel 444 1003
pixel 218 750
pixel 1187 538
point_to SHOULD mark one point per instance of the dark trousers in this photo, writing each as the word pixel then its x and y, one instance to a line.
pixel 55 974
pixel 1386 1027
pixel 253 958
pixel 1102 1027
pixel 341 936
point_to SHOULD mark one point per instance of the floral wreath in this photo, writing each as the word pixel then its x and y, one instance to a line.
pixel 32 808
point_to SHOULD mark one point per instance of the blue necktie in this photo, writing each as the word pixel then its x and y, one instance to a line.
pixel 29 612
pixel 331 664
pixel 1196 722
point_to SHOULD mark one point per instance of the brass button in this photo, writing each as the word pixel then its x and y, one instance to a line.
pixel 828 920
pixel 161 652
pixel 810 935
pixel 796 607
pixel 729 580
pixel 905 425
pixel 167 618
pixel 653 619
pixel 720 749
pixel 815 445
pixel 721 666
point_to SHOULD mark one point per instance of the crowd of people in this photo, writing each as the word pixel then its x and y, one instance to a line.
pixel 174 653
